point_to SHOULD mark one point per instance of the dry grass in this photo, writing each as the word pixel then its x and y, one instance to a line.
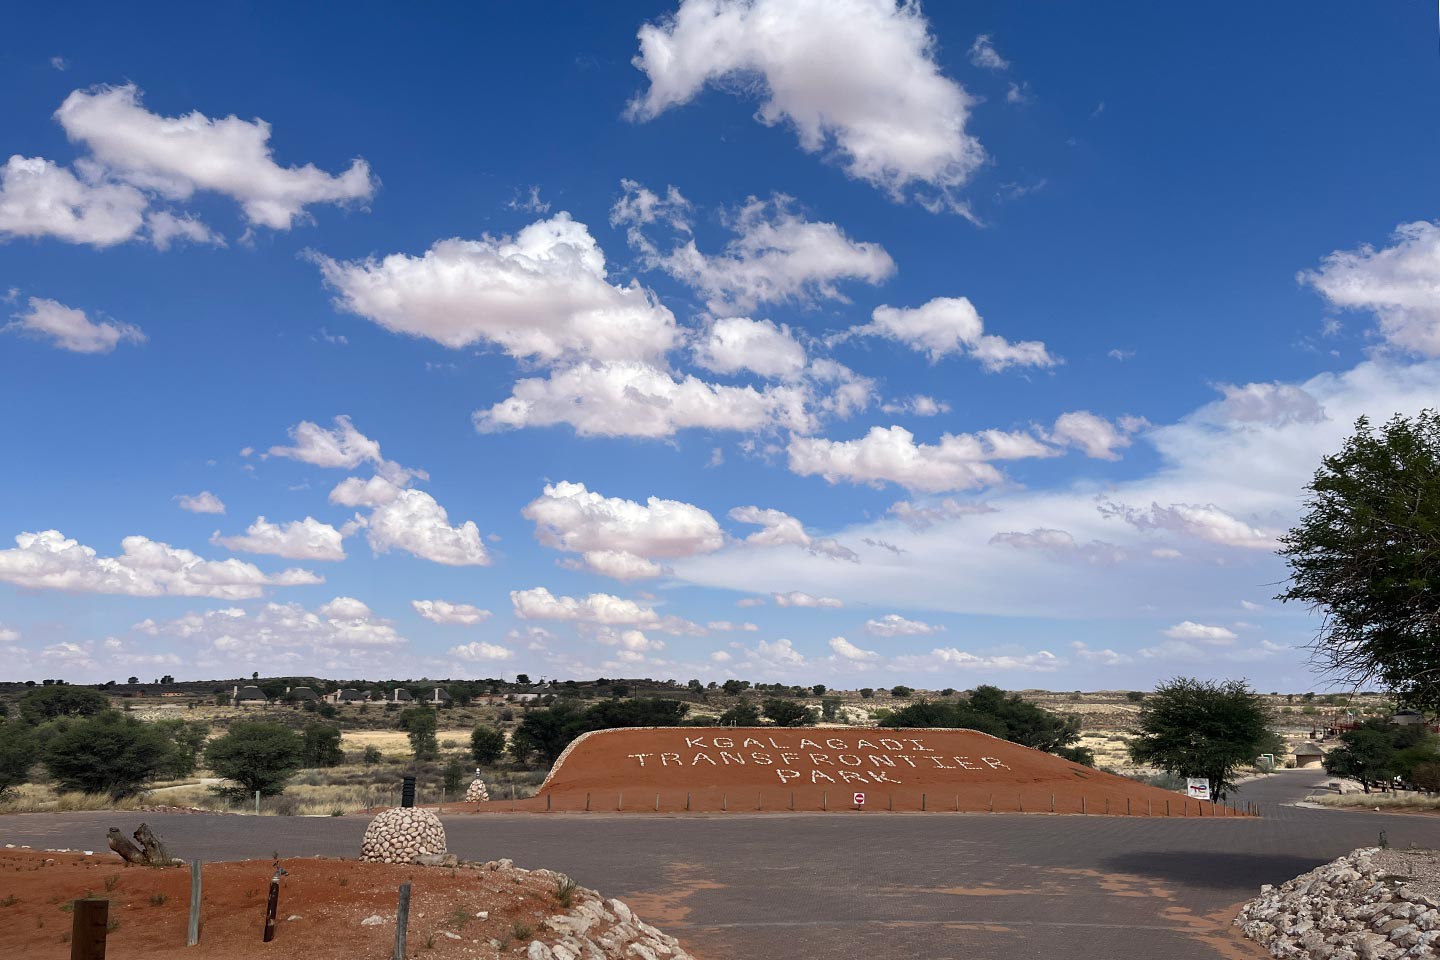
pixel 1385 801
pixel 36 798
pixel 394 741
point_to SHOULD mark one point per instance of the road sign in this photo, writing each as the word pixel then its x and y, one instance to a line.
pixel 1198 788
pixel 859 799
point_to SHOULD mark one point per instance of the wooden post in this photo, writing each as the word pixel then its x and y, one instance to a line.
pixel 587 802
pixel 257 803
pixel 1020 799
pixel 192 934
pixel 724 802
pixel 922 803
pixel 687 801
pixel 824 799
pixel 88 929
pixel 1107 806
pixel 1149 806
pixel 547 803
pixel 792 799
pixel 1167 808
pixel 892 802
pixel 1082 803
pixel 620 800
pixel 657 803
pixel 402 920
pixel 272 903
pixel 1127 806
pixel 992 803
pixel 1052 803
pixel 957 803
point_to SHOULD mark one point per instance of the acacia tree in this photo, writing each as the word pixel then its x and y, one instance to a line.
pixel 105 753
pixel 1367 556
pixel 258 756
pixel 1201 728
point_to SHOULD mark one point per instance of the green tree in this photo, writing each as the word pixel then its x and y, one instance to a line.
pixel 257 755
pixel 420 724
pixel 17 755
pixel 829 708
pixel 867 692
pixel 901 691
pixel 105 753
pixel 1201 728
pixel 186 740
pixel 52 702
pixel 486 745
pixel 452 776
pixel 818 689
pixel 1365 555
pixel 787 713
pixel 321 746
pixel 546 733
pixel 743 714
pixel 371 755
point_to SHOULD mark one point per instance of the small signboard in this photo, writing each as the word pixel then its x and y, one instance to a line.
pixel 1198 788
pixel 859 799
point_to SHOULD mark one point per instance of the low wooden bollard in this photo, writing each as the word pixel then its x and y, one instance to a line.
pixel 587 803
pixel 992 803
pixel 1107 806
pixel 792 799
pixel 402 921
pixel 1167 808
pixel 1127 806
pixel 1082 803
pixel 1052 803
pixel 547 803
pixel 687 802
pixel 88 929
pixel 657 803
pixel 620 800
pixel 824 799
pixel 922 803
pixel 192 933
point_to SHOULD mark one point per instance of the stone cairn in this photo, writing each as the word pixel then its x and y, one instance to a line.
pixel 403 835
pixel 1364 906
pixel 476 792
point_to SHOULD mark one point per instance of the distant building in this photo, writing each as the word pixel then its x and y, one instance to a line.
pixel 1407 718
pixel 301 694
pixel 1308 755
pixel 351 696
pixel 438 697
pixel 400 695
pixel 248 696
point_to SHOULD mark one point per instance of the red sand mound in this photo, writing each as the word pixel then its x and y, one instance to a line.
pixel 674 769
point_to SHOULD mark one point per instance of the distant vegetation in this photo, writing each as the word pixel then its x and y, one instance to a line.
pixel 1007 716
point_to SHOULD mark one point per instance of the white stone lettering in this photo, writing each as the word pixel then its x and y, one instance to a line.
pixel 808 743
pixel 789 757
pixel 692 742
pixel 850 776
pixel 724 743
pixel 835 744
pixel 819 758
pixel 640 756
pixel 667 758
pixel 817 775
pixel 965 763
pixel 909 760
pixel 877 759
pixel 761 758
pixel 919 746
pixel 892 744
pixel 995 764
pixel 730 758
pixel 788 775
pixel 879 776
pixel 853 760
pixel 939 762
pixel 703 756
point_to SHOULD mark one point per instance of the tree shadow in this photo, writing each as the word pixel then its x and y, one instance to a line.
pixel 1220 871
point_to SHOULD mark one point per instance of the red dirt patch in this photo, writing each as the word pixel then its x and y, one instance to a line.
pixel 678 769
pixel 329 898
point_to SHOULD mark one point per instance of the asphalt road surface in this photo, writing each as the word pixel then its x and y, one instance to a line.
pixel 873 885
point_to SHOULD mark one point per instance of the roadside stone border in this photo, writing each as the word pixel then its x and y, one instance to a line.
pixel 1372 904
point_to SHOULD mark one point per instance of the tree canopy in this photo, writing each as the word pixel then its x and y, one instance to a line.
pixel 1377 753
pixel 1007 716
pixel 787 713
pixel 257 756
pixel 546 733
pixel 105 753
pixel 52 702
pixel 420 724
pixel 1367 555
pixel 1201 728
pixel 486 745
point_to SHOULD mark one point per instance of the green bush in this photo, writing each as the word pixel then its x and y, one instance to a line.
pixel 486 745
pixel 257 756
pixel 787 713
pixel 17 754
pixel 322 745
pixel 371 755
pixel 50 703
pixel 420 724
pixel 105 753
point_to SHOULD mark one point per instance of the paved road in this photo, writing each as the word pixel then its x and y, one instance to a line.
pixel 874 885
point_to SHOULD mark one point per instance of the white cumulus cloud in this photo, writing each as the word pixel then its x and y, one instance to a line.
pixel 442 611
pixel 146 568
pixel 70 329
pixel 541 295
pixel 951 325
pixel 307 539
pixel 202 502
pixel 619 537
pixel 735 344
pixel 894 625
pixel 891 455
pixel 1400 284
pixel 479 652
pixel 798 599
pixel 1205 633
pixel 854 76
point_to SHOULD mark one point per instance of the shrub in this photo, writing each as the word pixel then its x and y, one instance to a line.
pixel 257 756
pixel 105 753
pixel 186 741
pixel 322 745
pixel 486 745
pixel 743 714
pixel 787 713
pixel 901 691
pixel 17 754
pixel 419 724
pixel 371 754
pixel 453 775
pixel 1426 776
pixel 50 703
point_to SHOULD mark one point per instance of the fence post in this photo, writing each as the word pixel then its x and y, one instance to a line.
pixel 992 803
pixel 1082 803
pixel 192 934
pixel 1052 803
pixel 587 802
pixel 657 803
pixel 824 799
pixel 1167 808
pixel 724 802
pixel 922 803
pixel 257 803
pixel 88 929
pixel 402 920
pixel 272 904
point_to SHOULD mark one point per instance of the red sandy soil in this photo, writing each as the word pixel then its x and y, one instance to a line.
pixel 778 769
pixel 327 898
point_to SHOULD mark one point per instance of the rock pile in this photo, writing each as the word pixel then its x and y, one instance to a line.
pixel 402 835
pixel 476 792
pixel 593 928
pixel 1373 904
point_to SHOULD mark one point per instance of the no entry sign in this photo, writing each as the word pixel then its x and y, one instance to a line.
pixel 859 799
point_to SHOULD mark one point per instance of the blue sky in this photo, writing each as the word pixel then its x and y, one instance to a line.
pixel 824 342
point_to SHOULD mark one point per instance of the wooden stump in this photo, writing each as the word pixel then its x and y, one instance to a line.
pixel 122 845
pixel 155 853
